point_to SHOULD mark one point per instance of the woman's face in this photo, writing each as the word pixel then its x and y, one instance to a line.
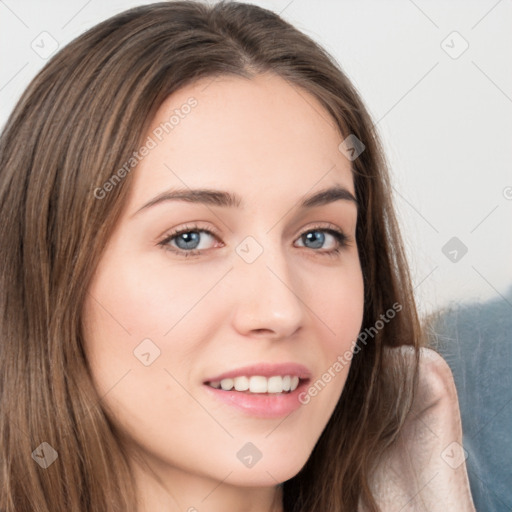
pixel 251 288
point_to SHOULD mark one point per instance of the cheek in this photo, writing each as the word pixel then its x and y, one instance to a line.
pixel 141 346
pixel 147 319
pixel 142 298
pixel 339 303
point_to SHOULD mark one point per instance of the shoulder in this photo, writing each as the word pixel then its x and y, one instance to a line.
pixel 435 382
pixel 425 470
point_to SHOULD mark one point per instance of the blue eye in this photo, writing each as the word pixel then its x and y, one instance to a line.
pixel 190 239
pixel 185 242
pixel 317 237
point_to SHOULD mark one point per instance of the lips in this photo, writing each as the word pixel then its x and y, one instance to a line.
pixel 264 390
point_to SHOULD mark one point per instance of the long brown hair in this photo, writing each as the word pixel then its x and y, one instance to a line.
pixel 78 121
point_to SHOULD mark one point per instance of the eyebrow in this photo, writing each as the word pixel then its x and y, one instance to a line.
pixel 231 200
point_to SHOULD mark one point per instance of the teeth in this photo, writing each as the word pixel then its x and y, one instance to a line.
pixel 226 384
pixel 258 384
pixel 275 385
pixel 241 383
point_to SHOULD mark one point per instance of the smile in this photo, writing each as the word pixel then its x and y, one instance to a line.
pixel 258 384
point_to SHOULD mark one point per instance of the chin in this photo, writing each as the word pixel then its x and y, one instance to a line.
pixel 268 474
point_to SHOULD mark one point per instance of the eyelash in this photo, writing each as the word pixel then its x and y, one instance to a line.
pixel 340 237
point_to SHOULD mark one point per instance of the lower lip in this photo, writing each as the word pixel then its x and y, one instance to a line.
pixel 261 405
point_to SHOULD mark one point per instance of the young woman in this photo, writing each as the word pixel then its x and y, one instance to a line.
pixel 205 300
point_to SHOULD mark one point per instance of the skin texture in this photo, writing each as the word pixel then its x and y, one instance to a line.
pixel 271 144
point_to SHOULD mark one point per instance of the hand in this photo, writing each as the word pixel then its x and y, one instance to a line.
pixel 425 470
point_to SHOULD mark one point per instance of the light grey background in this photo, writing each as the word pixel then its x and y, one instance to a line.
pixel 445 118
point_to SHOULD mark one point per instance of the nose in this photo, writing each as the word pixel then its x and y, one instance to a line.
pixel 267 301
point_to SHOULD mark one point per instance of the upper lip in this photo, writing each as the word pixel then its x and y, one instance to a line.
pixel 265 370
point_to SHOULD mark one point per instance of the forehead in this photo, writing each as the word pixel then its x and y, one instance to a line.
pixel 248 135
